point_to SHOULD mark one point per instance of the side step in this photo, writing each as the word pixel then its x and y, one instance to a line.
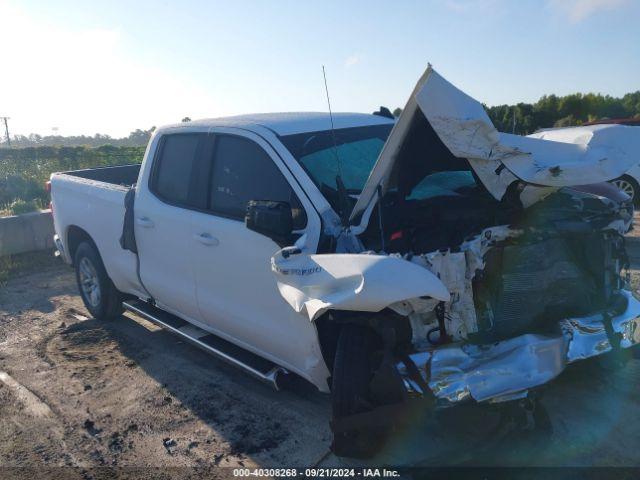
pixel 251 363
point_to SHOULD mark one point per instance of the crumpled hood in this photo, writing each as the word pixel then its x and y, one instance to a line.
pixel 463 126
pixel 313 284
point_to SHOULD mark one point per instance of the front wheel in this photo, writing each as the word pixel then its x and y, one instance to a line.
pixel 98 292
pixel 629 186
pixel 353 369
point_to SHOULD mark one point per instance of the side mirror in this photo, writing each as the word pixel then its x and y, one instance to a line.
pixel 272 219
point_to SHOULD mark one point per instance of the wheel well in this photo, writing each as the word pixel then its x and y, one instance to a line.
pixel 75 236
pixel 330 324
pixel 328 333
pixel 629 177
pixel 633 181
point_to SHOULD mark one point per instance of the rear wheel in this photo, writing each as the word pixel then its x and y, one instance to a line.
pixel 350 393
pixel 98 292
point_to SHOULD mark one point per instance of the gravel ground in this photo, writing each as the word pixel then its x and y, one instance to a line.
pixel 78 392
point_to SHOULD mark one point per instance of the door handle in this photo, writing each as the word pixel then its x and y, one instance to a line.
pixel 206 239
pixel 144 222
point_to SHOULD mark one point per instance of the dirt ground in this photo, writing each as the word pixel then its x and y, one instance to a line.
pixel 78 392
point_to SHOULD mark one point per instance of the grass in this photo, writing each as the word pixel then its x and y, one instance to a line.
pixel 19 207
pixel 20 264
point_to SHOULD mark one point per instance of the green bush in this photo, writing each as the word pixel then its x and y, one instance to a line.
pixel 15 187
pixel 24 206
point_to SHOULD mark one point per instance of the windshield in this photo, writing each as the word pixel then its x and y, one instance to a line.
pixel 353 159
pixel 443 184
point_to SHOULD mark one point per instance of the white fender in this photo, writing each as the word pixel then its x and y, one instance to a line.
pixel 313 284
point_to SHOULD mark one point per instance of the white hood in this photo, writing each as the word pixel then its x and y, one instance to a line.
pixel 464 127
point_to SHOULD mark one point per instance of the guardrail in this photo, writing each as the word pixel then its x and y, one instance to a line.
pixel 26 233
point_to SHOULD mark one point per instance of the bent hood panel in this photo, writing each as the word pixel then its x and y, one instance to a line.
pixel 313 284
pixel 464 127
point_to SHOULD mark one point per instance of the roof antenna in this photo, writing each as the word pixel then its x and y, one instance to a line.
pixel 343 196
pixel 333 133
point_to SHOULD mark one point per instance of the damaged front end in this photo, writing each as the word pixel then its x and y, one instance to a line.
pixel 489 319
pixel 524 307
pixel 492 264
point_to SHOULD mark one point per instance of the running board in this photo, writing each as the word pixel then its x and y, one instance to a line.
pixel 254 365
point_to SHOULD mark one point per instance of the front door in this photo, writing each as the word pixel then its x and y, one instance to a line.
pixel 236 290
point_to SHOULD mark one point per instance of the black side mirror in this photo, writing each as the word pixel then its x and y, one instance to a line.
pixel 272 219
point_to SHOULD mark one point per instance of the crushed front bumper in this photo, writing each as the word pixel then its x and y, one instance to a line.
pixel 506 370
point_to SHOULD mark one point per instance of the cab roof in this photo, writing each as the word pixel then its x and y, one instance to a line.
pixel 289 123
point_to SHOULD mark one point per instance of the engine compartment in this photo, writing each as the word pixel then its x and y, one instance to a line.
pixel 532 283
pixel 511 270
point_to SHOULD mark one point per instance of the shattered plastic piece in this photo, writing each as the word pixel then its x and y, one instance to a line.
pixel 456 270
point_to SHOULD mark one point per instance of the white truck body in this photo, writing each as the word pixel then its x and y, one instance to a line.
pixel 209 269
pixel 222 284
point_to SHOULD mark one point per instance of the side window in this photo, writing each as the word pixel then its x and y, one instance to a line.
pixel 243 171
pixel 172 174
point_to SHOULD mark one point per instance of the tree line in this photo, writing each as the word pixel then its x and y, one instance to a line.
pixel 549 111
pixel 561 111
pixel 137 138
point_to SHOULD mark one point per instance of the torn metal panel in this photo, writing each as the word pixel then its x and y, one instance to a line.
pixel 587 337
pixel 313 284
pixel 628 324
pixel 480 372
pixel 508 369
pixel 465 129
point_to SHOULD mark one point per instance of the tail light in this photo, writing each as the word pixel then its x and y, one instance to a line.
pixel 47 187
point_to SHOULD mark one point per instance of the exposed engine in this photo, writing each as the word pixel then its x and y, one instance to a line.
pixel 560 258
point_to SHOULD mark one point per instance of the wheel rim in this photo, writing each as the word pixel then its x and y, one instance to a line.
pixel 625 186
pixel 89 282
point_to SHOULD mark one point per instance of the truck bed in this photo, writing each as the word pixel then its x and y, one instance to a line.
pixel 92 201
pixel 123 175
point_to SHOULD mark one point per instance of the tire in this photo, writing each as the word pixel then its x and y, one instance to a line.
pixel 350 395
pixel 629 186
pixel 99 294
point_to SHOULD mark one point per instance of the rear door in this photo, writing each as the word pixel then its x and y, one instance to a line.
pixel 236 289
pixel 163 223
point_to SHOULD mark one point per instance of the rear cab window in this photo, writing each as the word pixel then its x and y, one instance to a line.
pixel 172 173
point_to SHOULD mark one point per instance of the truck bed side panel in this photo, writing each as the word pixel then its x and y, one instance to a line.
pixel 97 208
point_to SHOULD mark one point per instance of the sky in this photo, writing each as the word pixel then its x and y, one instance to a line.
pixel 76 67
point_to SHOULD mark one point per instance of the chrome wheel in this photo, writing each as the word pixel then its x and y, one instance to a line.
pixel 89 282
pixel 626 186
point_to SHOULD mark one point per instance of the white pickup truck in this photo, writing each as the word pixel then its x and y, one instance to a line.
pixel 428 259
